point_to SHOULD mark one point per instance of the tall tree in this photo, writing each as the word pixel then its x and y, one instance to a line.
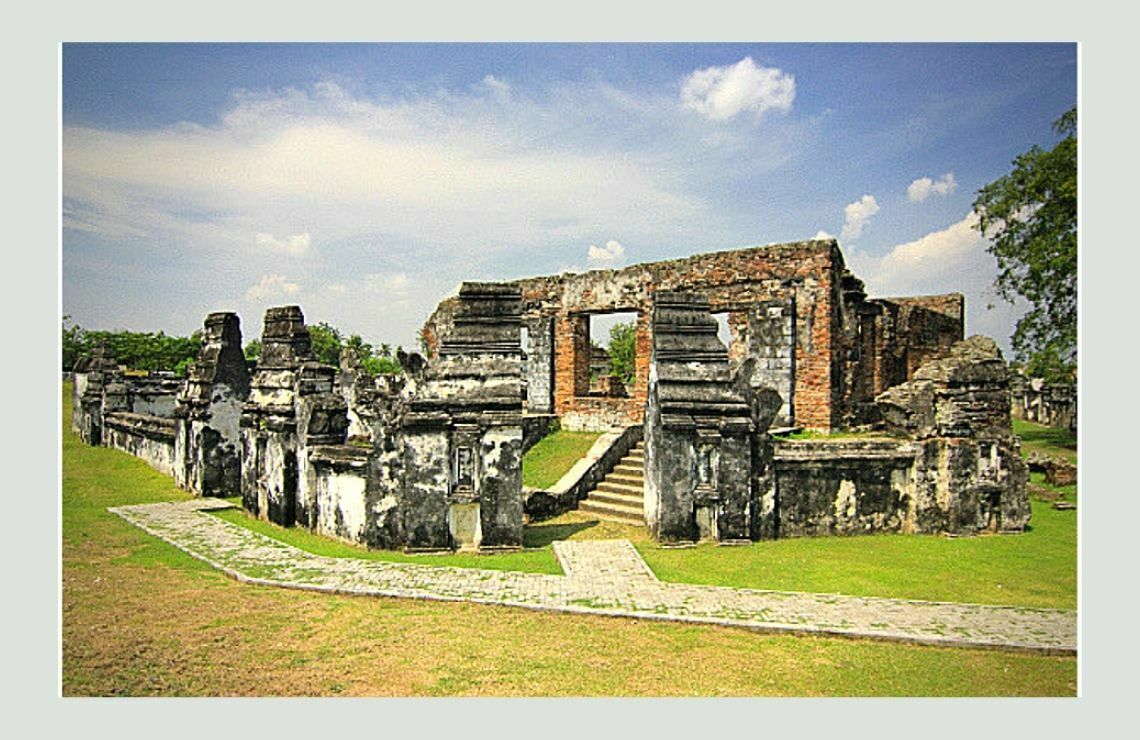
pixel 623 352
pixel 1030 218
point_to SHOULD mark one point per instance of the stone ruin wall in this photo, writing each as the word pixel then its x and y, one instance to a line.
pixel 793 308
pixel 1051 404
pixel 946 461
pixel 129 413
pixel 378 461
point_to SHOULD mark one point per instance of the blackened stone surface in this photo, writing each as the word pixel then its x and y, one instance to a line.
pixel 698 429
pixel 292 405
pixel 208 408
pixel 463 430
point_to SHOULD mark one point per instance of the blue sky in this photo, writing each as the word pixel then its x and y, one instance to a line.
pixel 364 182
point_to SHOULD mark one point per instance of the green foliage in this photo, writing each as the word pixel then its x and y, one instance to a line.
pixel 253 349
pixel 326 342
pixel 1030 218
pixel 623 350
pixel 136 350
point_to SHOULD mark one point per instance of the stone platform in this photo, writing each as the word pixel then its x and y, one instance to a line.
pixel 606 577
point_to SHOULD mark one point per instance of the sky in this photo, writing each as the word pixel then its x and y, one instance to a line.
pixel 364 182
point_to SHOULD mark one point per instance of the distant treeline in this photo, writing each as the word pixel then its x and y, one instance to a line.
pixel 158 351
pixel 136 350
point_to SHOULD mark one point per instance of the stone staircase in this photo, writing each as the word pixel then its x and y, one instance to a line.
pixel 621 496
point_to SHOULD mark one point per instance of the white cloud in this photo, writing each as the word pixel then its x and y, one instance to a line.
pixel 609 254
pixel 951 260
pixel 856 215
pixel 271 286
pixel 297 244
pixel 393 285
pixel 439 184
pixel 720 93
pixel 821 234
pixel 924 187
pixel 499 88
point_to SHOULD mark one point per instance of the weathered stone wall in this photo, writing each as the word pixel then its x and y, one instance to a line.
pixel 1043 403
pixel 698 429
pixel 464 434
pixel 291 407
pixel 539 364
pixel 152 395
pixel 92 376
pixel 969 476
pixel 207 449
pixel 792 307
pixel 150 438
pixel 831 487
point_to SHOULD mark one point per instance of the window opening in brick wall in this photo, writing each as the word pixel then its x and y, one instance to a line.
pixel 613 353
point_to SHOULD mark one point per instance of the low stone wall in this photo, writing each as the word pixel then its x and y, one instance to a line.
pixel 153 396
pixel 148 437
pixel 339 487
pixel 606 452
pixel 830 487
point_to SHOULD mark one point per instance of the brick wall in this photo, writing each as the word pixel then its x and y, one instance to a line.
pixel 846 348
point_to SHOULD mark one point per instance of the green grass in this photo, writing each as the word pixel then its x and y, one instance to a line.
pixel 534 559
pixel 1050 441
pixel 554 455
pixel 139 617
pixel 1037 568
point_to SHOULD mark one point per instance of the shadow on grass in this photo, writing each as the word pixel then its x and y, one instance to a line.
pixel 541 535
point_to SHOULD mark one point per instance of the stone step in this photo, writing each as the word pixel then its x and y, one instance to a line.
pixel 628 479
pixel 628 514
pixel 627 490
pixel 618 499
pixel 623 469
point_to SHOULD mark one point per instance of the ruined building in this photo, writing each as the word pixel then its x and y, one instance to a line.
pixel 817 339
pixel 431 459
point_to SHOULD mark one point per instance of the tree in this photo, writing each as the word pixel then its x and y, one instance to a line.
pixel 623 351
pixel 326 342
pixel 1030 218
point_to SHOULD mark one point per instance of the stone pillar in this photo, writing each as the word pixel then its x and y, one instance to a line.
pixel 101 371
pixel 463 434
pixel 207 443
pixel 540 365
pixel 291 405
pixel 698 429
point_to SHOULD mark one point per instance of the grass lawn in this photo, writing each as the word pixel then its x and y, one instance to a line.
pixel 142 618
pixel 1047 440
pixel 554 455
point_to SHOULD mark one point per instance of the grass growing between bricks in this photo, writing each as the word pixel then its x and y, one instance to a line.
pixel 535 559
pixel 141 618
pixel 553 456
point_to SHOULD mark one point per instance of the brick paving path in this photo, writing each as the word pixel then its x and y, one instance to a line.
pixel 603 577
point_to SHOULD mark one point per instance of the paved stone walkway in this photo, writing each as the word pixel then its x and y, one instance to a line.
pixel 603 577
